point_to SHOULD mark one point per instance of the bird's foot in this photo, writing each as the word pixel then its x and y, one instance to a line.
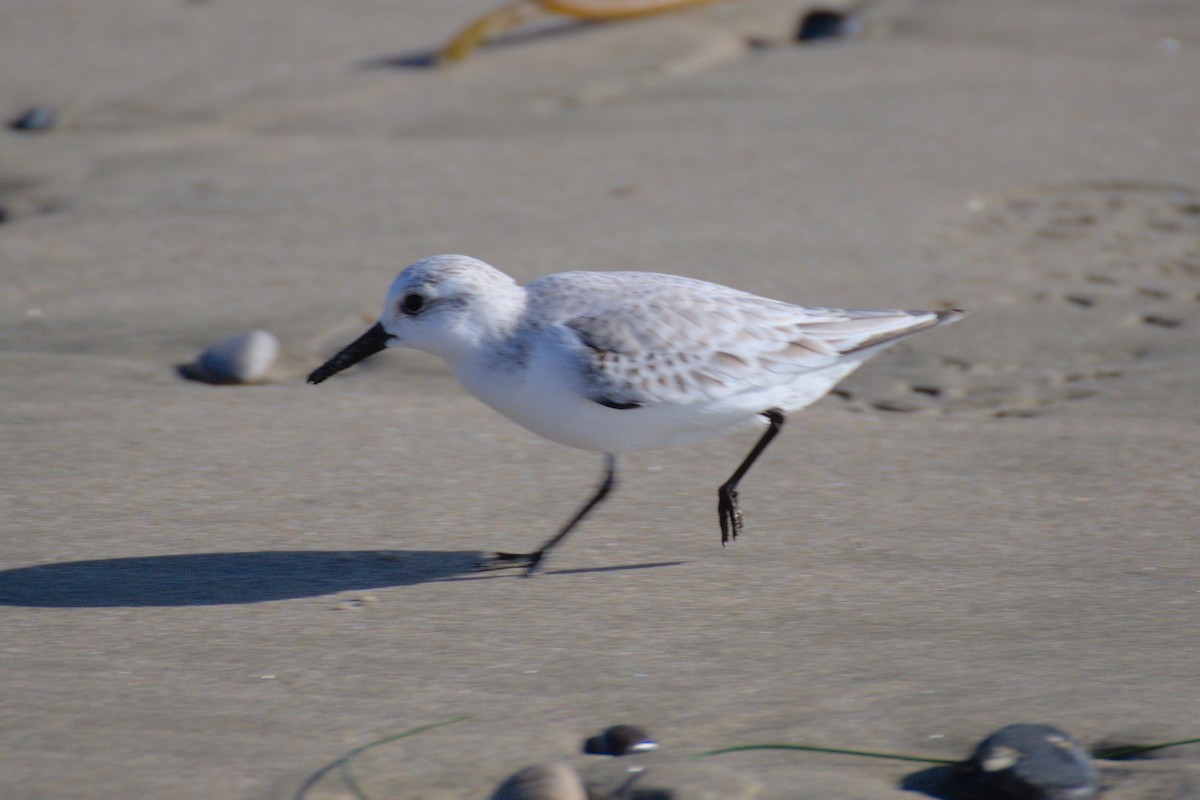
pixel 730 513
pixel 530 561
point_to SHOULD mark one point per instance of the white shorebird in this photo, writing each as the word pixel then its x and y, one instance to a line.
pixel 620 361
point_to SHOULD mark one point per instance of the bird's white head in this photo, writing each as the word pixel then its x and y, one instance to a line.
pixel 446 305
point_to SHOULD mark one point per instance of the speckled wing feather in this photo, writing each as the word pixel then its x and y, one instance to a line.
pixel 647 338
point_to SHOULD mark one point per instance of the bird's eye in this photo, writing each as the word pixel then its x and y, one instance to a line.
pixel 412 304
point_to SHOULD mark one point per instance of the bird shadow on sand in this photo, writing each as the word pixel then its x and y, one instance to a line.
pixel 206 579
pixel 202 579
pixel 487 574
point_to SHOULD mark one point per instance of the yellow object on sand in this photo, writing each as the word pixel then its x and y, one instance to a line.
pixel 518 12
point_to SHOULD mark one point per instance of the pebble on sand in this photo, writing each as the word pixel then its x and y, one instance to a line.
pixel 34 118
pixel 620 740
pixel 824 23
pixel 1028 762
pixel 551 781
pixel 244 358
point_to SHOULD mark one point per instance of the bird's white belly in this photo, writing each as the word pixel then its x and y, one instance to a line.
pixel 549 403
pixel 548 400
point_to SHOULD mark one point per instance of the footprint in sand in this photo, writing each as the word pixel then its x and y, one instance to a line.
pixel 1096 274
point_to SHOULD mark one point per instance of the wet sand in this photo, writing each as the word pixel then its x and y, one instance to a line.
pixel 215 591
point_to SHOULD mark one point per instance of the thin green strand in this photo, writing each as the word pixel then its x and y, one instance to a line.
pixel 343 764
pixel 812 748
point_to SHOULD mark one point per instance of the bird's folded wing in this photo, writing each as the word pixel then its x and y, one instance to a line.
pixel 709 348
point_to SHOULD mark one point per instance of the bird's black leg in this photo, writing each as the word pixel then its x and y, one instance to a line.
pixel 728 509
pixel 532 561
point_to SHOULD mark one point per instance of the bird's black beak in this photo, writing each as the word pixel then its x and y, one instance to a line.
pixel 366 345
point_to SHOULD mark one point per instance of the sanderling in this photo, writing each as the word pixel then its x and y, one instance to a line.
pixel 621 361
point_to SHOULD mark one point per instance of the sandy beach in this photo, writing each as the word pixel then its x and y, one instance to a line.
pixel 217 591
